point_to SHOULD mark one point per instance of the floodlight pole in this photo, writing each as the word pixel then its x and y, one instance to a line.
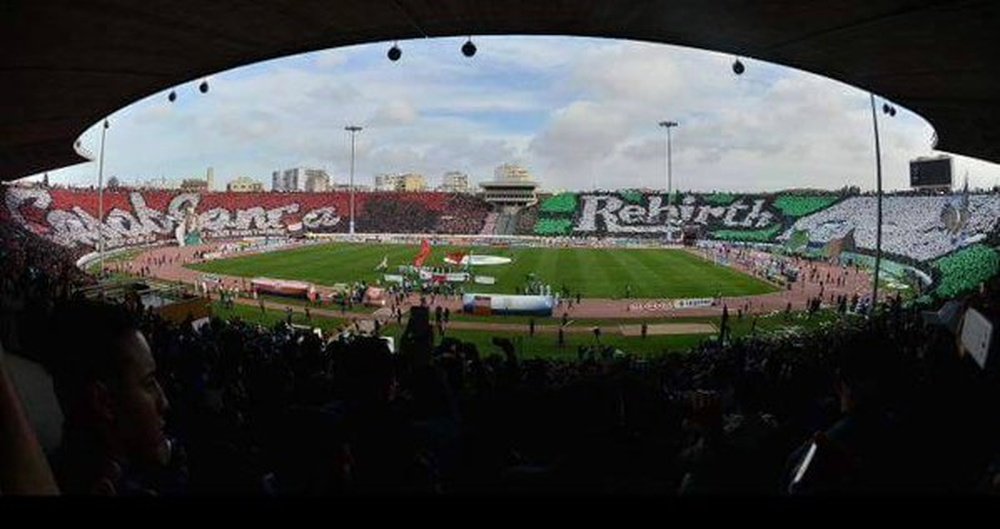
pixel 100 199
pixel 668 159
pixel 878 204
pixel 353 129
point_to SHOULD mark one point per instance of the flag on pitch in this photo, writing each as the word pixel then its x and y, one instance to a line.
pixel 425 252
pixel 456 257
pixel 384 264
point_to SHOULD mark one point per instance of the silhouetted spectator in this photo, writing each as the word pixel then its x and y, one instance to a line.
pixel 114 407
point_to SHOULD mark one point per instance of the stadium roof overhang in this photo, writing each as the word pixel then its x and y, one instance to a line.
pixel 67 64
pixel 508 184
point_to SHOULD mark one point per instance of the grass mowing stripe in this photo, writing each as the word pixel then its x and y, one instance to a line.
pixel 660 282
pixel 576 264
pixel 548 265
pixel 592 276
pixel 647 279
pixel 593 272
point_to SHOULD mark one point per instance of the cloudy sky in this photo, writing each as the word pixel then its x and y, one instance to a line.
pixel 578 113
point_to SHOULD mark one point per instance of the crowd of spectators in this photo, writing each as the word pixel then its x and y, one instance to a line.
pixel 964 270
pixel 885 404
pixel 912 226
pixel 914 231
pixel 397 216
pixel 281 412
pixel 465 214
pixel 800 206
pixel 34 274
pixel 490 223
pixel 438 213
pixel 526 220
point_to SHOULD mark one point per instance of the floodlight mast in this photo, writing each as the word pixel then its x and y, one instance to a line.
pixel 353 130
pixel 668 161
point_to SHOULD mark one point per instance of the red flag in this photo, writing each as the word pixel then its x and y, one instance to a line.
pixel 457 257
pixel 425 252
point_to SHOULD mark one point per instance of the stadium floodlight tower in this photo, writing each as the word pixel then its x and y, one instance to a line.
pixel 354 130
pixel 890 111
pixel 100 198
pixel 667 160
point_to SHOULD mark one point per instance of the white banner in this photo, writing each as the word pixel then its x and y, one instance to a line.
pixel 458 277
pixel 670 304
pixel 392 278
pixel 199 323
pixel 485 280
pixel 693 303
pixel 977 333
pixel 651 306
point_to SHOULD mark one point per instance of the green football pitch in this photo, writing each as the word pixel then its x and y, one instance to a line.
pixel 594 273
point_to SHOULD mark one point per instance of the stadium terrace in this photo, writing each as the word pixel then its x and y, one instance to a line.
pixel 618 216
pixel 162 343
pixel 915 231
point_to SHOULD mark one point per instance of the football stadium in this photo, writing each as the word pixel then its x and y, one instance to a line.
pixel 359 331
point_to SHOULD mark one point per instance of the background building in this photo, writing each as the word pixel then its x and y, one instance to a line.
pixel 157 183
pixel 197 185
pixel 244 185
pixel 511 173
pixel 194 185
pixel 347 188
pixel 510 189
pixel 411 182
pixel 454 182
pixel 414 182
pixel 277 181
pixel 386 182
pixel 317 181
pixel 298 178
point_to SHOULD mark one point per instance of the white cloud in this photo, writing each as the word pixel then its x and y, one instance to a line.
pixel 394 113
pixel 329 59
pixel 575 111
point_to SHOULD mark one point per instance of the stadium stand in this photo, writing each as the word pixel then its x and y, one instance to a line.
pixel 965 270
pixel 69 216
pixel 887 403
pixel 253 410
pixel 490 224
pixel 916 227
pixel 936 234
pixel 526 220
pixel 913 225
pixel 464 214
pixel 800 206
pixel 506 224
